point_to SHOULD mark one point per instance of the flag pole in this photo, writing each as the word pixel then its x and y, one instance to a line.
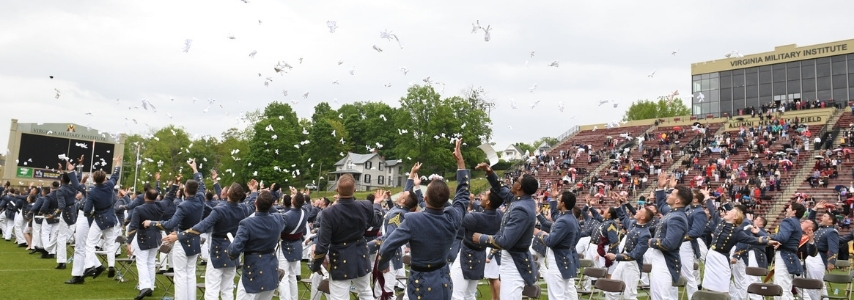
pixel 136 170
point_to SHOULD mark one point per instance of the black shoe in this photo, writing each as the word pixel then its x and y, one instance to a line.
pixel 161 271
pixel 75 280
pixel 34 251
pixel 97 271
pixel 60 266
pixel 22 245
pixel 299 277
pixel 203 263
pixel 143 293
pixel 111 272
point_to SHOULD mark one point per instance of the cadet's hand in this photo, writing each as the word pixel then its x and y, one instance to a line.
pixel 171 238
pixel 85 178
pixel 458 155
pixel 146 223
pixel 177 180
pixel 830 267
pixel 476 237
pixel 378 198
pixel 293 191
pixel 116 160
pixel 662 180
pixel 69 166
pixel 773 243
pixel 130 250
pixel 214 176
pixel 253 185
pixel 192 164
pixel 156 176
pixel 610 256
pixel 414 171
pixel 484 167
pixel 733 261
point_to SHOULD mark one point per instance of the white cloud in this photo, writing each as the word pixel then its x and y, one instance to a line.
pixel 100 51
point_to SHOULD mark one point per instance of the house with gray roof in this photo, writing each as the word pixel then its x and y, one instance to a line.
pixel 371 171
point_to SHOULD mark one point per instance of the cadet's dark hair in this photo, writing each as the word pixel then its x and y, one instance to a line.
pixel 568 199
pixel 832 218
pixel 411 200
pixel 151 195
pixel 191 187
pixel 699 196
pixel 495 200
pixel 326 201
pixel 65 179
pixel 437 193
pixel 814 224
pixel 612 212
pixel 55 185
pixel 764 221
pixel 264 201
pixel 684 194
pixel 286 200
pixel 799 210
pixel 370 197
pixel 647 213
pixel 235 193
pixel 99 176
pixel 146 186
pixel 576 212
pixel 529 184
pixel 298 200
pixel 209 196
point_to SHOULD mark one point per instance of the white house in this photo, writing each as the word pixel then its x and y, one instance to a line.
pixel 512 153
pixel 371 171
pixel 543 148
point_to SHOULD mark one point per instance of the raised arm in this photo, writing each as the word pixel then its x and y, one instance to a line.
pixel 495 184
pixel 392 243
pixel 461 199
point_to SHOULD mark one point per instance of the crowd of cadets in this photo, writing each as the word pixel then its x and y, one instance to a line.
pixel 512 235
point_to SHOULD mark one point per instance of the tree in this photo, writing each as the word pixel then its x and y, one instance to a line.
pixel 275 149
pixel 325 148
pixel 431 124
pixel 231 167
pixel 648 109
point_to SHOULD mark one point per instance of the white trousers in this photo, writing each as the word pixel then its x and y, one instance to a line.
pixel 628 272
pixel 644 276
pixel 703 252
pixel 81 260
pixel 463 289
pixel 718 272
pixel 206 247
pixel 738 287
pixel 9 228
pixel 598 262
pixel 753 262
pixel 782 278
pixel 315 282
pixel 63 231
pixel 219 282
pixel 49 237
pixel 686 255
pixel 20 225
pixel 243 295
pixel 511 281
pixel 558 288
pixel 37 236
pixel 144 265
pixel 541 263
pixel 94 236
pixel 288 286
pixel 660 282
pixel 815 269
pixel 185 273
pixel 340 289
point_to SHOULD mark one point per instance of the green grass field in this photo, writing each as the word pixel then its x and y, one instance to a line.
pixel 25 276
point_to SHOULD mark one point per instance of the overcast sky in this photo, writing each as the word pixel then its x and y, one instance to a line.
pixel 106 56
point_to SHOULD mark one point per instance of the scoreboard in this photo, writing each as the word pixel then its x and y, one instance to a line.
pixel 36 150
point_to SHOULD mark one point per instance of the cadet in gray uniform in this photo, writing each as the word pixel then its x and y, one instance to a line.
pixel 562 259
pixel 469 269
pixel 342 238
pixel 430 234
pixel 223 219
pixel 518 267
pixel 256 238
